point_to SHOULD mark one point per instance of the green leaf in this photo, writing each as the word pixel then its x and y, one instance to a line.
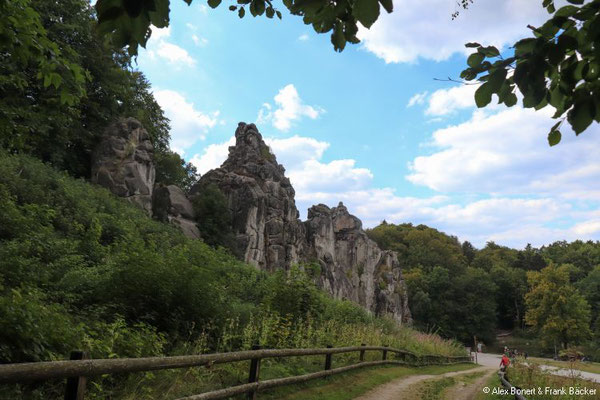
pixel 525 46
pixel 270 12
pixel 510 100
pixel 257 7
pixel 241 12
pixel 388 5
pixel 468 74
pixel 337 37
pixel 496 79
pixel 366 12
pixel 554 137
pixel 475 59
pixel 232 8
pixel 566 11
pixel 489 51
pixel 593 70
pixel 483 95
pixel 576 1
pixel 214 3
pixel 581 115
pixel 278 13
pixel 472 44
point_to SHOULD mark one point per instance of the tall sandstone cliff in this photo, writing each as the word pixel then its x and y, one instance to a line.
pixel 269 234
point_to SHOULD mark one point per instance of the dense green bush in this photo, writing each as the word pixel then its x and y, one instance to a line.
pixel 214 216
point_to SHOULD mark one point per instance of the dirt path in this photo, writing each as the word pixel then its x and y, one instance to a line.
pixel 468 391
pixel 395 389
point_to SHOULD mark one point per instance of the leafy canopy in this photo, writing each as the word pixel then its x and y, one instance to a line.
pixel 558 66
pixel 555 308
pixel 128 21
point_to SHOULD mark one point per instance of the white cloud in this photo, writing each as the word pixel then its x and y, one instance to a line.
pixel 587 227
pixel 213 156
pixel 159 46
pixel 199 41
pixel 291 152
pixel 447 101
pixel 294 151
pixel 418 98
pixel 304 37
pixel 290 108
pixel 160 34
pixel 424 28
pixel 188 125
pixel 506 152
pixel 522 191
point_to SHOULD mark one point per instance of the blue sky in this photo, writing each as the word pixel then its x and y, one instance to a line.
pixel 371 127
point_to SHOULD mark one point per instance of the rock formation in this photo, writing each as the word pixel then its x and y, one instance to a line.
pixel 353 267
pixel 123 162
pixel 270 235
pixel 169 204
pixel 265 220
pixel 266 224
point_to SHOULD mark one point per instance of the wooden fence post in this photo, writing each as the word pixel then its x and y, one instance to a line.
pixel 328 359
pixel 384 357
pixel 362 353
pixel 75 389
pixel 254 373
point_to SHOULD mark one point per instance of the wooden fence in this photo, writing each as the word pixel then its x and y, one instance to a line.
pixel 79 367
pixel 509 386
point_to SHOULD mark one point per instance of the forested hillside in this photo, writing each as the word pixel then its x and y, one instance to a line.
pixel 83 269
pixel 460 291
pixel 61 84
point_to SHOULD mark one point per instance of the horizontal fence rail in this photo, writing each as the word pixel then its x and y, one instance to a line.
pixel 78 368
pixel 509 386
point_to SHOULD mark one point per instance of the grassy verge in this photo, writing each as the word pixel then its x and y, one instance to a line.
pixel 354 383
pixel 531 376
pixel 578 365
pixel 492 382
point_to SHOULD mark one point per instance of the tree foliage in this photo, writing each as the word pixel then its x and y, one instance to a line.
pixel 449 283
pixel 171 169
pixel 214 217
pixel 129 21
pixel 558 66
pixel 37 116
pixel 556 308
pixel 61 85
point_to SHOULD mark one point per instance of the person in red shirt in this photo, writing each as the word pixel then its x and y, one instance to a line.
pixel 504 362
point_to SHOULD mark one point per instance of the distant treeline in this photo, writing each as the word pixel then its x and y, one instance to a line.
pixel 460 291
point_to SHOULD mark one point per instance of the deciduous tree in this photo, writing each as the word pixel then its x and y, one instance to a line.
pixel 555 309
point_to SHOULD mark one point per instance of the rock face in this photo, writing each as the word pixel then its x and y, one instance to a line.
pixel 270 235
pixel 169 204
pixel 265 221
pixel 123 162
pixel 353 266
